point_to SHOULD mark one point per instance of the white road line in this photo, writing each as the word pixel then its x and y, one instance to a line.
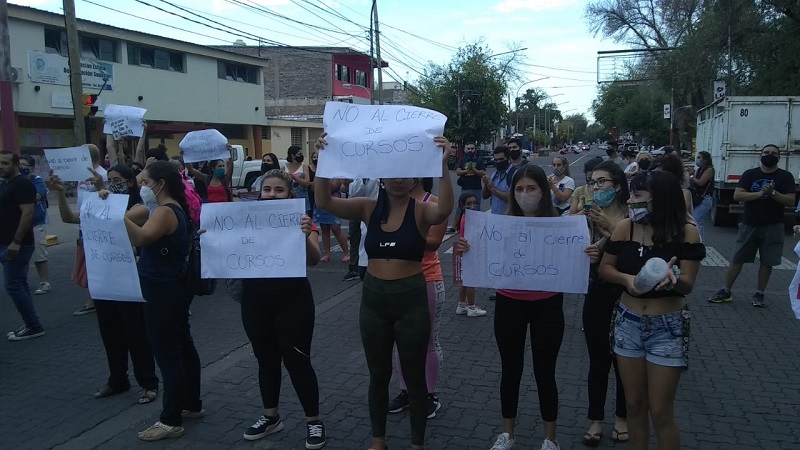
pixel 584 156
pixel 714 259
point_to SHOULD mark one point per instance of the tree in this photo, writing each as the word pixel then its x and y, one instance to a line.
pixel 644 23
pixel 469 90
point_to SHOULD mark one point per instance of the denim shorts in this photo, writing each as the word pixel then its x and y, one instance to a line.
pixel 659 339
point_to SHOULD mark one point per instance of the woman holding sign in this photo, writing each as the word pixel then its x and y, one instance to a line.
pixel 655 256
pixel 518 310
pixel 394 302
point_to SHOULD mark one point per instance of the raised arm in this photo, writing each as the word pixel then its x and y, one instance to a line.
pixel 345 208
pixel 141 146
pixel 56 185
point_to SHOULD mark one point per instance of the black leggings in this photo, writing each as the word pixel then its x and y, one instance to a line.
pixel 597 309
pixel 278 317
pixel 396 312
pixel 123 331
pixel 546 321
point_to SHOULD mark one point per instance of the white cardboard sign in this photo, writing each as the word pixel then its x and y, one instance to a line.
pixel 253 239
pixel 110 261
pixel 133 114
pixel 121 127
pixel 380 141
pixel 526 253
pixel 204 145
pixel 71 163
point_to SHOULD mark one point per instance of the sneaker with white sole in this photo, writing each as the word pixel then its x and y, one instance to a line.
pixel 25 333
pixel 399 403
pixel 315 435
pixel 159 431
pixel 44 288
pixel 503 442
pixel 758 300
pixel 461 310
pixel 475 312
pixel 433 405
pixel 264 426
pixel 550 445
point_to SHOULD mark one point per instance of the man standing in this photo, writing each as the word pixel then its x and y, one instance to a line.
pixel 765 191
pixel 470 171
pixel 515 153
pixel 26 165
pixel 17 198
pixel 612 155
pixel 496 188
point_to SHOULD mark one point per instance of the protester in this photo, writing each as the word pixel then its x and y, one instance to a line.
pixel 632 166
pixel 432 269
pixel 27 164
pixel 612 155
pixel 496 187
pixel 651 325
pixel 515 157
pixel 329 223
pixel 269 161
pixel 466 295
pixel 360 187
pixel 561 185
pixel 217 184
pixel 607 181
pixel 164 240
pixel 672 163
pixel 121 324
pixel 394 306
pixel 582 195
pixel 702 188
pixel 17 244
pixel 518 310
pixel 470 171
pixel 299 172
pixel 312 173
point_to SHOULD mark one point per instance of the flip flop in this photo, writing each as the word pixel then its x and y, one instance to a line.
pixel 147 396
pixel 619 436
pixel 592 439
pixel 108 391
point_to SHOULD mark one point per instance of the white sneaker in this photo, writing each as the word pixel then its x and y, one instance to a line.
pixel 476 312
pixel 550 445
pixel 503 442
pixel 461 310
pixel 44 288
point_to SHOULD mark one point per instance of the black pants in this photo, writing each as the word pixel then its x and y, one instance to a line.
pixel 167 320
pixel 123 331
pixel 396 312
pixel 597 309
pixel 278 317
pixel 512 318
pixel 354 239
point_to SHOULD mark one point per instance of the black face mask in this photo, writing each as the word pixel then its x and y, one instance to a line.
pixel 769 160
pixel 644 164
pixel 298 158
pixel 502 166
pixel 514 154
pixel 266 167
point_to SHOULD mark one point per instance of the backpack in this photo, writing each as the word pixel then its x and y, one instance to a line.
pixel 189 270
pixel 193 201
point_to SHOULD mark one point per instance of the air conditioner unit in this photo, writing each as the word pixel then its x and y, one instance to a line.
pixel 16 75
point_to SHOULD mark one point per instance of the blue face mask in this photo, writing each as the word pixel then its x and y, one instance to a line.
pixel 605 197
pixel 219 173
pixel 25 171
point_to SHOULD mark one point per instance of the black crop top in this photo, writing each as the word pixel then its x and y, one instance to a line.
pixel 404 243
pixel 630 261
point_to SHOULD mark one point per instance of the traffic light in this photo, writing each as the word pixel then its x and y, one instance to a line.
pixel 89 105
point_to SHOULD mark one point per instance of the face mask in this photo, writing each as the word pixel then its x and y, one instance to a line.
pixel 299 158
pixel 266 167
pixel 470 153
pixel 118 188
pixel 558 173
pixel 769 160
pixel 514 154
pixel 528 202
pixel 148 196
pixel 219 173
pixel 605 197
pixel 502 166
pixel 698 163
pixel 638 212
pixel 472 207
pixel 644 164
pixel 24 171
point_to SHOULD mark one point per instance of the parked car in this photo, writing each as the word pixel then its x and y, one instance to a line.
pixel 486 156
pixel 570 149
pixel 686 154
pixel 661 151
pixel 585 147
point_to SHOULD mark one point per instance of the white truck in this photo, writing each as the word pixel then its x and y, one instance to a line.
pixel 245 172
pixel 734 130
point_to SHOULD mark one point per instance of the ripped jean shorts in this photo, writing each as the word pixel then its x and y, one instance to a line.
pixel 659 339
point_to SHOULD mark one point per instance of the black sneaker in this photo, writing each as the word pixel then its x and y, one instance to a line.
pixel 433 406
pixel 315 437
pixel 25 333
pixel 722 296
pixel 263 427
pixel 758 300
pixel 351 275
pixel 399 403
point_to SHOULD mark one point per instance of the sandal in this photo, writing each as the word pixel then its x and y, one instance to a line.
pixel 147 396
pixel 619 436
pixel 108 391
pixel 593 439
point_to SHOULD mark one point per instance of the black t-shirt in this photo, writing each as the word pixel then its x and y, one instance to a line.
pixel 766 210
pixel 13 193
pixel 471 182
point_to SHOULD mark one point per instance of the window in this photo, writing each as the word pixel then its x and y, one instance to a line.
pixel 156 58
pixel 93 47
pixel 55 41
pixel 361 78
pixel 342 73
pixel 297 136
pixel 265 132
pixel 230 131
pixel 237 72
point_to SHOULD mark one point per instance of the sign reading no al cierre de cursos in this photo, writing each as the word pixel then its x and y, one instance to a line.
pixel 49 68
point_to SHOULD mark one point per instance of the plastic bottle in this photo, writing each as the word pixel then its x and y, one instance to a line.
pixel 653 271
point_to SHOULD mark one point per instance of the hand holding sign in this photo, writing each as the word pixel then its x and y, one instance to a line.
pixel 123 121
pixel 204 145
pixel 69 163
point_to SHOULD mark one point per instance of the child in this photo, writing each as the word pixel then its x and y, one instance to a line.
pixel 466 295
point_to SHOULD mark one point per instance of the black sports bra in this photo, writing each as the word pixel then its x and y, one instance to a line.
pixel 404 243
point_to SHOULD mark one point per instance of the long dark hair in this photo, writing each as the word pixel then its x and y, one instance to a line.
pixel 672 163
pixel 618 178
pixel 536 174
pixel 133 192
pixel 164 170
pixel 460 211
pixel 668 210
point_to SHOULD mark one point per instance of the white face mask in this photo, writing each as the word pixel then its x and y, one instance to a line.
pixel 148 196
pixel 528 203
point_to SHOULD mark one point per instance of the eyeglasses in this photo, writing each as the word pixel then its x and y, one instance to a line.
pixel 597 183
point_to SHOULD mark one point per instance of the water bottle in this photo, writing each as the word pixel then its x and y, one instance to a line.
pixel 653 271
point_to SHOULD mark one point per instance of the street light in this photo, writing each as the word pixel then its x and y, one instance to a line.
pixel 517 97
pixel 351 86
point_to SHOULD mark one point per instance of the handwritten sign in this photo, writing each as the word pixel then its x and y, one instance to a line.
pixel 204 145
pixel 70 164
pixel 526 253
pixel 121 127
pixel 110 262
pixel 380 141
pixel 253 239
pixel 134 115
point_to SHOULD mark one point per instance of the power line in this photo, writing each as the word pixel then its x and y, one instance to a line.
pixel 254 6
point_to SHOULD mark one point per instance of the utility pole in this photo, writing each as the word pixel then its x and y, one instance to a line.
pixel 6 84
pixel 371 62
pixel 75 79
pixel 378 51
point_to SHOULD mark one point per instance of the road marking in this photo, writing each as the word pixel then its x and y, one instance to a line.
pixel 714 259
pixel 584 156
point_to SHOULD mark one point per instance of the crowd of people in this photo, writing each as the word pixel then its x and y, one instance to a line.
pixel 636 210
